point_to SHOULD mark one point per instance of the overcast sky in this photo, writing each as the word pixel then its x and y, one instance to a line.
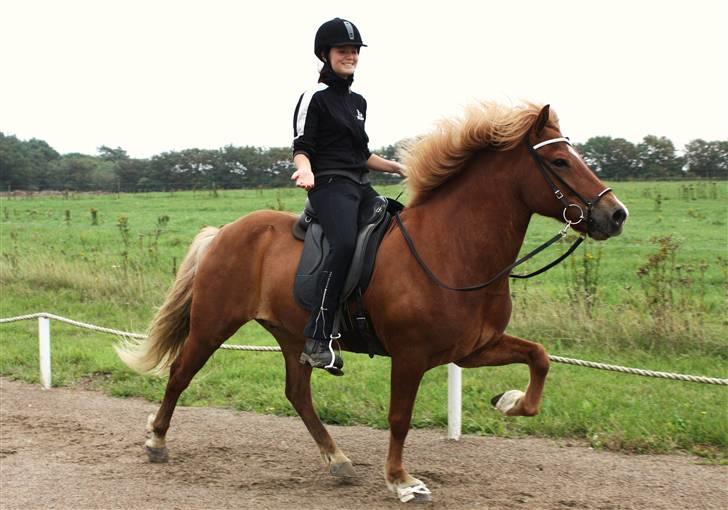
pixel 153 76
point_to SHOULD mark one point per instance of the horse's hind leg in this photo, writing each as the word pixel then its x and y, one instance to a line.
pixel 507 350
pixel 298 392
pixel 191 359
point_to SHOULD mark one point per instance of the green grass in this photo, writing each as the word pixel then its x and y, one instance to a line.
pixel 104 274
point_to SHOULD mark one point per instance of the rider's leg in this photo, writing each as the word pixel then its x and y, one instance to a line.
pixel 336 202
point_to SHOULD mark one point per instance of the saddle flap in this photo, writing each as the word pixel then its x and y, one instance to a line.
pixel 307 279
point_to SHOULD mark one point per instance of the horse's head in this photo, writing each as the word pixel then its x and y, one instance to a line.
pixel 568 189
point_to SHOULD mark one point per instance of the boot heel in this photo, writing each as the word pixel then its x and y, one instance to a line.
pixel 335 371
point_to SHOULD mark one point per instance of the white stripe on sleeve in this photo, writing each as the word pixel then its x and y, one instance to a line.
pixel 303 108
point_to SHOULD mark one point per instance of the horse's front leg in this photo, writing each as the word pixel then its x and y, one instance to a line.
pixel 510 349
pixel 405 382
pixel 298 392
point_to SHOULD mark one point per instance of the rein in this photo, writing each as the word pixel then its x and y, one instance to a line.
pixel 547 172
pixel 504 271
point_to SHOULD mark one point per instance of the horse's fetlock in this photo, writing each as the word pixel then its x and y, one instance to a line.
pixel 529 410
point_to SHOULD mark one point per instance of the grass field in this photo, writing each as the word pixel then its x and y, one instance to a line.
pixel 653 298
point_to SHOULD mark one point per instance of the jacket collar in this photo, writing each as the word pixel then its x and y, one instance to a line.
pixel 333 80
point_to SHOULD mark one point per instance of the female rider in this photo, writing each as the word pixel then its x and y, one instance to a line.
pixel 331 155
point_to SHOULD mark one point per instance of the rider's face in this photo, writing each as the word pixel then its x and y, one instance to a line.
pixel 343 60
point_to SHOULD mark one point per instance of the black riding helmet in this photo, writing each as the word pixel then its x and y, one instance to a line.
pixel 336 32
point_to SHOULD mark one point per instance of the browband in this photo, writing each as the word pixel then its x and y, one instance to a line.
pixel 553 140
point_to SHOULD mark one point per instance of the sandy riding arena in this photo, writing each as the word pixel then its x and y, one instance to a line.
pixel 79 449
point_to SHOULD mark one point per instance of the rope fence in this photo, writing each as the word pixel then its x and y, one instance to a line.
pixel 263 348
pixel 93 327
pixel 454 372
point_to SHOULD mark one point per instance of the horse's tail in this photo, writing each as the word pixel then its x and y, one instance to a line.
pixel 171 325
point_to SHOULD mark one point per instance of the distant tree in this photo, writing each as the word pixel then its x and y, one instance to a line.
pixel 160 176
pixel 277 167
pixel 15 167
pixel 195 168
pixel 707 159
pixel 611 158
pixel 657 158
pixel 388 152
pixel 24 164
pixel 33 165
pixel 239 165
pixel 129 172
pixel 103 176
pixel 109 154
pixel 73 172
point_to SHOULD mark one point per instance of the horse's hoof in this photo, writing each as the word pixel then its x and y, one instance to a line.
pixel 416 492
pixel 422 498
pixel 505 402
pixel 345 470
pixel 157 455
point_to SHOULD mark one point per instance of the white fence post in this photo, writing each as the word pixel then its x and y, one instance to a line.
pixel 454 400
pixel 44 351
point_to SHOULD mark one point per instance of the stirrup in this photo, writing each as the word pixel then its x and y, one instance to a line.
pixel 322 356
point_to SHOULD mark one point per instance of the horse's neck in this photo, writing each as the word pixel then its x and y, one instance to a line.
pixel 477 214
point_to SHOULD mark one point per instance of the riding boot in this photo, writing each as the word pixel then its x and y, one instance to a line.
pixel 320 354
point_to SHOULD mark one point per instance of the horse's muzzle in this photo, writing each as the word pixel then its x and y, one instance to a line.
pixel 607 219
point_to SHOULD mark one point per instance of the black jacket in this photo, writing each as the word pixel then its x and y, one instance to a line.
pixel 328 127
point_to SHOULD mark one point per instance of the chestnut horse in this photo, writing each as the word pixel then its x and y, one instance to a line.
pixel 474 184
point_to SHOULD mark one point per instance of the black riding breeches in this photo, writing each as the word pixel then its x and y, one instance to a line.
pixel 336 200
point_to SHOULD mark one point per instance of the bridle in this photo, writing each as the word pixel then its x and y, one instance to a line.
pixel 549 174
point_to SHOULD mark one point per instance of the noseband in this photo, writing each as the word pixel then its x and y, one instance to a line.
pixel 548 172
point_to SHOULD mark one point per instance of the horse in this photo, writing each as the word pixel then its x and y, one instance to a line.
pixel 474 182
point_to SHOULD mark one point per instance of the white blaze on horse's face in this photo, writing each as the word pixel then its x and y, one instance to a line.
pixel 574 153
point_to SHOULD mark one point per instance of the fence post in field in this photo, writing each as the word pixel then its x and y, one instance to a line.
pixel 44 351
pixel 454 400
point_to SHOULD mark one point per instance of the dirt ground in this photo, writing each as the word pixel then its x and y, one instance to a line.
pixel 79 449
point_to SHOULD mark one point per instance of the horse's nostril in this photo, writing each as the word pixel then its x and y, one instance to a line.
pixel 619 216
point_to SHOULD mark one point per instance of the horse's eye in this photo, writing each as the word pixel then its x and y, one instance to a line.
pixel 560 163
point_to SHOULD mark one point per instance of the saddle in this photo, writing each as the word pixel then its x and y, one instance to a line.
pixel 356 329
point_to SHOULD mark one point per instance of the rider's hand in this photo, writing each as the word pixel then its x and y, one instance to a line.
pixel 303 178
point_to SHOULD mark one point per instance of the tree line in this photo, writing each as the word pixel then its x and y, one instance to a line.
pixel 33 165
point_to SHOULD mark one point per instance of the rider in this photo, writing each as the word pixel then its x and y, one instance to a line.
pixel 332 159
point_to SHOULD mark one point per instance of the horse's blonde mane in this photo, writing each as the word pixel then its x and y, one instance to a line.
pixel 434 158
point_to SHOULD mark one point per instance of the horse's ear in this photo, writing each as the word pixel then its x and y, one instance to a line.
pixel 542 120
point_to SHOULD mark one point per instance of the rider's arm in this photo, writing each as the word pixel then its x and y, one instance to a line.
pixel 305 128
pixel 303 174
pixel 379 164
